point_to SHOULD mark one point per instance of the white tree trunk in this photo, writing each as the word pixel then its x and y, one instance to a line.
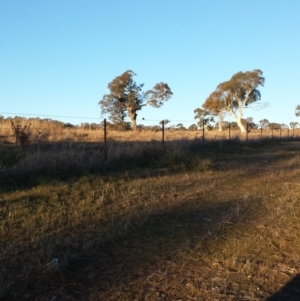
pixel 241 126
pixel 238 120
pixel 220 125
pixel 221 117
pixel 220 121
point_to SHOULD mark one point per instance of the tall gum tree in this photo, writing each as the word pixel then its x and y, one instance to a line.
pixel 297 111
pixel 126 97
pixel 214 104
pixel 234 95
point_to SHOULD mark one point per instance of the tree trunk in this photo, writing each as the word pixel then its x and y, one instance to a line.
pixel 241 126
pixel 220 125
pixel 238 120
pixel 132 116
pixel 221 117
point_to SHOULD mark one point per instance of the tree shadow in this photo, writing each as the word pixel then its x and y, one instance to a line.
pixel 68 160
pixel 96 263
pixel 97 260
pixel 290 292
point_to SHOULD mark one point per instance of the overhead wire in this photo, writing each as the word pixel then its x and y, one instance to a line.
pixel 93 118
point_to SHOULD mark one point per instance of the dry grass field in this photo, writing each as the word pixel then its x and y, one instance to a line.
pixel 52 134
pixel 190 220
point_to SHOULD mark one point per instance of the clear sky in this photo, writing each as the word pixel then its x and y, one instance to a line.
pixel 57 57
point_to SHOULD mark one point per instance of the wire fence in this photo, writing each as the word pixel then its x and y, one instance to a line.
pixel 53 133
pixel 111 143
pixel 22 131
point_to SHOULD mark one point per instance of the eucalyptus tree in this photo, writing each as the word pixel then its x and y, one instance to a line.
pixel 294 125
pixel 165 121
pixel 274 126
pixel 193 127
pixel 126 98
pixel 234 95
pixel 297 111
pixel 264 123
pixel 205 118
pixel 180 126
pixel 215 106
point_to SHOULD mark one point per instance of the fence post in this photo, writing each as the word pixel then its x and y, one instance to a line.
pixel 105 141
pixel 293 132
pixel 261 130
pixel 203 123
pixel 163 131
pixel 229 131
pixel 272 132
pixel 288 133
pixel 247 131
pixel 280 132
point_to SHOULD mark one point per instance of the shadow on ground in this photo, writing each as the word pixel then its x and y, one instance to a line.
pixel 290 292
pixel 99 264
pixel 95 262
pixel 64 161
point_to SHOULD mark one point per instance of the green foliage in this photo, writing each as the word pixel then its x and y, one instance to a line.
pixel 180 127
pixel 248 123
pixel 234 95
pixel 69 125
pixel 274 126
pixel 205 117
pixel 123 126
pixel 126 97
pixel 166 121
pixel 294 125
pixel 193 127
pixel 297 111
pixel 264 123
pixel 234 125
pixel 216 107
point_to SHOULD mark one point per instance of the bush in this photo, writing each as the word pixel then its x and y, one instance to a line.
pixel 21 134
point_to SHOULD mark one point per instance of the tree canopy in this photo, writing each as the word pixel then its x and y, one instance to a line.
pixel 234 95
pixel 215 106
pixel 294 124
pixel 297 111
pixel 126 97
pixel 165 121
pixel 264 123
pixel 205 118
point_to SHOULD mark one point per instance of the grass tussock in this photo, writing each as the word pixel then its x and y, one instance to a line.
pixel 184 221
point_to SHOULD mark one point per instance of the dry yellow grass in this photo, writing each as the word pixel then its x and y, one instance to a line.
pixel 83 135
pixel 225 229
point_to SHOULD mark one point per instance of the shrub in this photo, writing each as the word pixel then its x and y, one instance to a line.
pixel 21 133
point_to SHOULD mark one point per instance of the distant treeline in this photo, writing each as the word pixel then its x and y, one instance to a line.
pixel 47 123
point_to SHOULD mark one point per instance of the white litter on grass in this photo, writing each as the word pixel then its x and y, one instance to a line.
pixel 55 263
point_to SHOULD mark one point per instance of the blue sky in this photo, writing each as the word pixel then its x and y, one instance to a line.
pixel 57 57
